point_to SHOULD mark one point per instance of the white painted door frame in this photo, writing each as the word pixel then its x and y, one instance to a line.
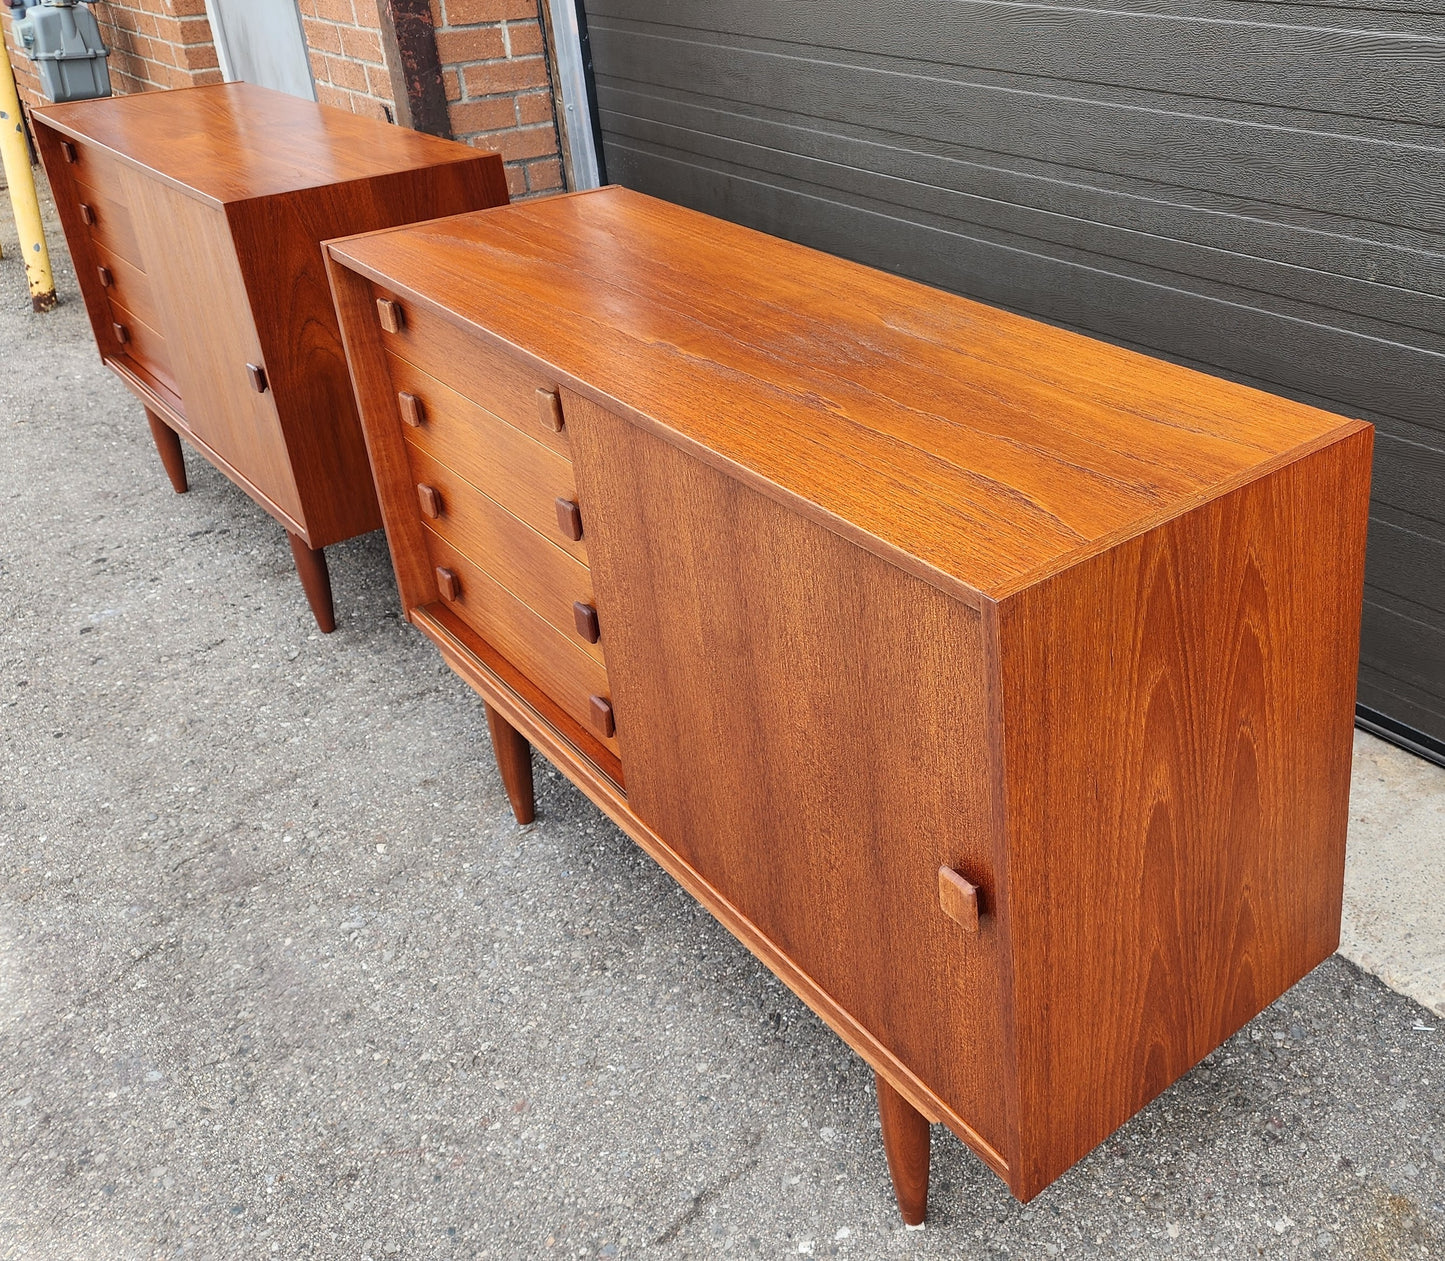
pixel 571 68
pixel 262 42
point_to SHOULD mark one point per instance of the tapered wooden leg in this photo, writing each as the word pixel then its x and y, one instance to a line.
pixel 906 1142
pixel 315 581
pixel 168 443
pixel 514 760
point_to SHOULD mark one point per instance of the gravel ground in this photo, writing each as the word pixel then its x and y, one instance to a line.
pixel 280 977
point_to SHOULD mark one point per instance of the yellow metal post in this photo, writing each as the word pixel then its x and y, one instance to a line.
pixel 21 181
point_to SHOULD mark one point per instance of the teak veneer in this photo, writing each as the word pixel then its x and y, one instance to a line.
pixel 195 218
pixel 994 685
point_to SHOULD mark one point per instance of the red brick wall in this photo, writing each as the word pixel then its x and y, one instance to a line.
pixel 154 44
pixel 344 41
pixel 499 90
pixel 493 56
pixel 157 44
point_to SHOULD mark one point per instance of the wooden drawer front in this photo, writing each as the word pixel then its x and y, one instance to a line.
pixel 524 476
pixel 142 343
pixel 545 578
pixel 110 223
pixel 554 663
pixel 503 385
pixel 87 165
pixel 127 285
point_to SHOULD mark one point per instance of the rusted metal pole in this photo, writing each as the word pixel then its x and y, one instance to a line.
pixel 21 182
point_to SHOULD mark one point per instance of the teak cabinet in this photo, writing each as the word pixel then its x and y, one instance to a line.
pixel 992 684
pixel 195 218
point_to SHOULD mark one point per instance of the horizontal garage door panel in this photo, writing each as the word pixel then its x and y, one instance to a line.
pixel 1238 54
pixel 1224 240
pixel 1250 188
pixel 1184 146
pixel 1399 701
pixel 1408 564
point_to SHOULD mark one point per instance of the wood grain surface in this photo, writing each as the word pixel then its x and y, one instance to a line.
pixel 196 219
pixel 522 474
pixel 514 761
pixel 278 245
pixel 540 574
pixel 230 142
pixel 212 337
pixel 126 283
pixel 501 383
pixel 556 660
pixel 1034 814
pixel 907 1144
pixel 966 444
pixel 804 724
pixel 1176 737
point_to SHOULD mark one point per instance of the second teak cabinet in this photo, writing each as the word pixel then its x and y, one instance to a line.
pixel 195 219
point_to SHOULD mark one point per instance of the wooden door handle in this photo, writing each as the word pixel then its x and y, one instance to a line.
pixel 569 519
pixel 390 315
pixel 68 150
pixel 106 278
pixel 258 378
pixel 430 500
pixel 413 410
pixel 549 408
pixel 600 710
pixel 87 214
pixel 449 584
pixel 586 618
pixel 122 334
pixel 958 898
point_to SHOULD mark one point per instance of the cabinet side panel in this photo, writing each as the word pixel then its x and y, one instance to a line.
pixel 278 244
pixel 202 299
pixel 804 724
pixel 1177 737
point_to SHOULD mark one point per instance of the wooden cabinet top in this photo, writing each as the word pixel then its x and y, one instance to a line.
pixel 980 449
pixel 234 141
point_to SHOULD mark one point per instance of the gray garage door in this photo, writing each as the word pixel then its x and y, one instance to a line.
pixel 1256 189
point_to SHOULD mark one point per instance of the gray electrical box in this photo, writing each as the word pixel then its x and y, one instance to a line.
pixel 64 42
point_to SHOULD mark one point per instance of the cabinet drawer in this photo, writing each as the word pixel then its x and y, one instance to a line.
pixel 503 385
pixel 143 344
pixel 110 223
pixel 543 577
pixel 86 164
pixel 524 476
pixel 559 667
pixel 127 285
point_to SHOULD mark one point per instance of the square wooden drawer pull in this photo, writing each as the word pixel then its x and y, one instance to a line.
pixel 106 278
pixel 601 709
pixel 549 408
pixel 569 519
pixel 390 314
pixel 430 500
pixel 413 410
pixel 87 214
pixel 122 334
pixel 958 898
pixel 258 377
pixel 68 150
pixel 449 584
pixel 586 618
